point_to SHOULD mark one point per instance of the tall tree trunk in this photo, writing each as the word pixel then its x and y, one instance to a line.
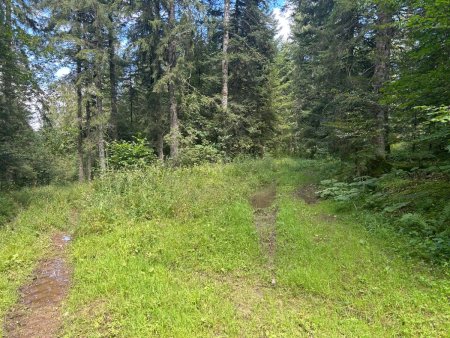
pixel 112 80
pixel 80 124
pixel 387 130
pixel 381 74
pixel 131 97
pixel 159 133
pixel 226 36
pixel 100 136
pixel 158 71
pixel 99 101
pixel 88 137
pixel 174 127
pixel 160 146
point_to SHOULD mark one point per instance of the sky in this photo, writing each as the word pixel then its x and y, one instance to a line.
pixel 282 16
pixel 63 71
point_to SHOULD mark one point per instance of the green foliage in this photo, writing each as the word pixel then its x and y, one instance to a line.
pixel 439 114
pixel 281 87
pixel 419 93
pixel 395 207
pixel 342 191
pixel 179 247
pixel 409 201
pixel 316 95
pixel 8 209
pixel 413 223
pixel 339 191
pixel 130 154
pixel 19 54
pixel 334 60
pixel 200 154
pixel 444 219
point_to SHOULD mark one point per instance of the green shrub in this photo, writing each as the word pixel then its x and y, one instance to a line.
pixel 339 191
pixel 130 154
pixel 342 191
pixel 200 154
pixel 8 209
pixel 443 222
pixel 413 223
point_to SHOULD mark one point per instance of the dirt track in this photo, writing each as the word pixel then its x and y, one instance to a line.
pixel 38 312
pixel 265 215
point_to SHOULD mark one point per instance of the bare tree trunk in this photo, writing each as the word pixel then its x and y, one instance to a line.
pixel 99 101
pixel 113 81
pixel 160 146
pixel 88 137
pixel 226 37
pixel 387 130
pixel 100 136
pixel 174 127
pixel 158 71
pixel 131 96
pixel 80 124
pixel 159 133
pixel 380 76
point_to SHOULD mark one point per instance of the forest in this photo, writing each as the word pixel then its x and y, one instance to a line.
pixel 242 168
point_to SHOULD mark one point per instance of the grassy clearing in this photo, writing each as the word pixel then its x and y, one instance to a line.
pixel 175 253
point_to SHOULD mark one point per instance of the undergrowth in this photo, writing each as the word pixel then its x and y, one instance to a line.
pixel 414 203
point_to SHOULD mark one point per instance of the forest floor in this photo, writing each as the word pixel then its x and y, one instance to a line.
pixel 244 249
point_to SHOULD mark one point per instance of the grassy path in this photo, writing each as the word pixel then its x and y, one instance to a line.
pixel 24 245
pixel 177 254
pixel 265 215
pixel 38 312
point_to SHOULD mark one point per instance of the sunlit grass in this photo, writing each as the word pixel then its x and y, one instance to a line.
pixel 25 239
pixel 174 253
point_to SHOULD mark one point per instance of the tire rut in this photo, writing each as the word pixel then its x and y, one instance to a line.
pixel 38 311
pixel 264 216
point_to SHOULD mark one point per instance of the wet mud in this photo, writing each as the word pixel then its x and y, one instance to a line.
pixel 307 193
pixel 38 312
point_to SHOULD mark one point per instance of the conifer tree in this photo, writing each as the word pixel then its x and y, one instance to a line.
pixel 19 40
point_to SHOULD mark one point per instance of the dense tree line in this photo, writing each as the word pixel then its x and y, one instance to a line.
pixel 207 80
pixel 20 46
pixel 372 75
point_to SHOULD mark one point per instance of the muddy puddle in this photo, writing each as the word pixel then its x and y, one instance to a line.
pixel 307 193
pixel 264 198
pixel 38 312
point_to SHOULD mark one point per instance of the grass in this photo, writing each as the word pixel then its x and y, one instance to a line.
pixel 174 253
pixel 26 239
